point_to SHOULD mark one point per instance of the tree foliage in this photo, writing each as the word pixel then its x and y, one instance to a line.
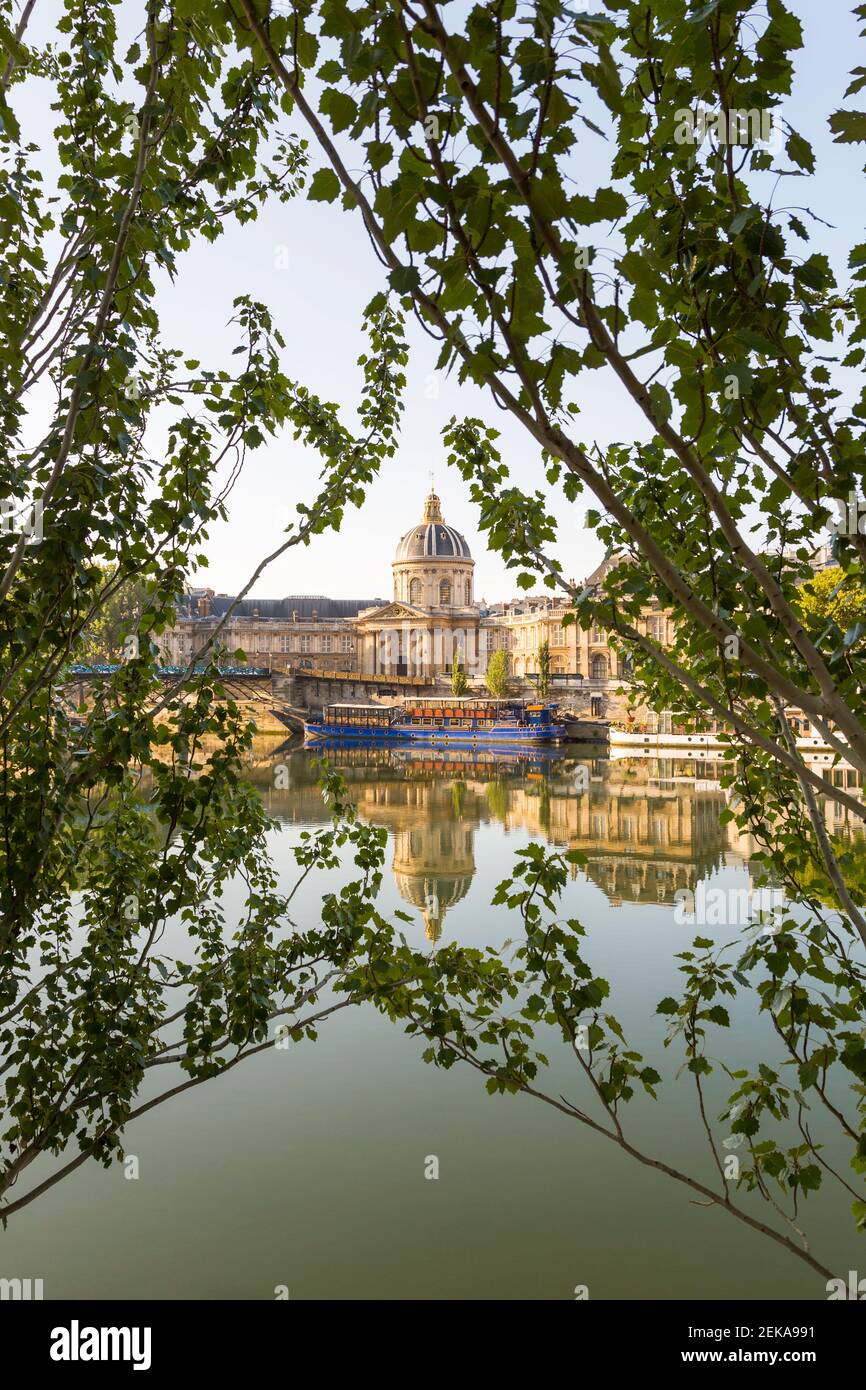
pixel 133 813
pixel 835 600
pixel 496 676
pixel 459 683
pixel 544 669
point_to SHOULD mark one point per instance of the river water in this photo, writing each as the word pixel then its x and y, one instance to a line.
pixel 304 1169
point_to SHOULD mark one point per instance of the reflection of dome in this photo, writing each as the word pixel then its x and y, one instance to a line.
pixel 433 894
pixel 433 869
pixel 431 538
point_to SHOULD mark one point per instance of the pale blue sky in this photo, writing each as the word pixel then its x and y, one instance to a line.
pixel 317 303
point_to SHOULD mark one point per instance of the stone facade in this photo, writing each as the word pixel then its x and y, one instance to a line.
pixel 297 633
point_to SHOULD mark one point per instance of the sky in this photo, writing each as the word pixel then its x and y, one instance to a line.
pixel 313 265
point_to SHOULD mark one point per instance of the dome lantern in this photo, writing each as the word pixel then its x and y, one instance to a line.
pixel 432 508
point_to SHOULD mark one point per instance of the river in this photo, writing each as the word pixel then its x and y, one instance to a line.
pixel 304 1169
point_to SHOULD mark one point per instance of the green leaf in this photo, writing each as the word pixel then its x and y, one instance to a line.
pixel 324 187
pixel 848 127
pixel 661 401
pixel 405 279
pixel 667 1006
pixel 800 152
pixel 339 107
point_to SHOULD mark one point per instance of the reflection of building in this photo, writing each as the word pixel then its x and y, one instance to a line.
pixel 648 827
pixel 432 823
pixel 433 868
pixel 645 835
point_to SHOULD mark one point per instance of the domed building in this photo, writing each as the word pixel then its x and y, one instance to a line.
pixel 433 616
pixel 433 567
pixel 353 649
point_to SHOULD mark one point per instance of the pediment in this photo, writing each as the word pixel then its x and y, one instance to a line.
pixel 393 613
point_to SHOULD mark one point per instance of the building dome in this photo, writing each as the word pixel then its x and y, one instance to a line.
pixel 431 538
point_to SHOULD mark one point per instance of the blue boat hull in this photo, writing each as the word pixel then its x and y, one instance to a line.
pixel 407 733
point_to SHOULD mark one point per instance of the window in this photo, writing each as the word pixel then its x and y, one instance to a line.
pixel 469 591
pixel 596 634
pixel 415 591
pixel 445 591
pixel 599 668
pixel 306 642
pixel 491 639
pixel 326 642
pixel 346 644
pixel 656 628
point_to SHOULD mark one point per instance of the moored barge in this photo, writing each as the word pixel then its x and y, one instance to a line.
pixel 467 721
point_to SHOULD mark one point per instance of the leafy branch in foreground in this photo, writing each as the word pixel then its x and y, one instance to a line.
pixel 474 1008
pixel 129 818
pixel 111 1003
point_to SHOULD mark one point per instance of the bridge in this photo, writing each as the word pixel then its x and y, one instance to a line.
pixel 251 687
pixel 108 668
pixel 275 699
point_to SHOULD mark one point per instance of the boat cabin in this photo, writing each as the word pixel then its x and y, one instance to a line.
pixel 470 712
pixel 362 716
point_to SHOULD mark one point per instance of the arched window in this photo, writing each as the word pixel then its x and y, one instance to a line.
pixel 599 668
pixel 415 591
pixel 445 591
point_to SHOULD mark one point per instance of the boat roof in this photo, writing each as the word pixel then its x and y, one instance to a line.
pixel 348 704
pixel 461 700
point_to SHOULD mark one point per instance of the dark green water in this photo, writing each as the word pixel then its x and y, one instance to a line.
pixel 306 1167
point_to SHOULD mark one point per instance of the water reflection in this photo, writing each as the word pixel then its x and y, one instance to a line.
pixel 251 1171
pixel 648 827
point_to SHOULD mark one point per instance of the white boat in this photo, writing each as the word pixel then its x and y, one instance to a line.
pixel 627 738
